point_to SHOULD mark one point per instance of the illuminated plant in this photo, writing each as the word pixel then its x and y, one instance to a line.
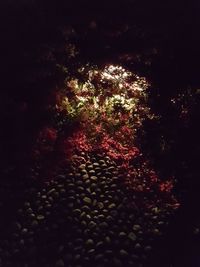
pixel 108 106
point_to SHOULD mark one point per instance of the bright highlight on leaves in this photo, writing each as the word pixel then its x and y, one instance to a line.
pixel 107 107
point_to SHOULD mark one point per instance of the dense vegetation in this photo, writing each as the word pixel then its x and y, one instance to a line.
pixel 45 42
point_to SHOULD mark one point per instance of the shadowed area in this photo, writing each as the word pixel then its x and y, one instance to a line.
pixel 91 175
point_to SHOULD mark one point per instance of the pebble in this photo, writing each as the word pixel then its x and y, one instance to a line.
pixel 148 248
pixel 93 186
pixel 111 169
pixel 40 217
pixel 93 178
pixel 99 244
pixel 77 212
pixel 87 182
pixel 100 205
pixel 136 227
pixel 82 166
pixel 87 200
pixel 122 234
pixel 108 174
pixel 85 208
pixel 107 239
pixel 112 206
pixel 83 172
pixel 91 251
pixel 79 183
pixel 138 246
pixel 24 231
pixel 89 242
pixel 84 223
pixel 94 202
pixel 90 167
pixel 85 176
pixel 156 231
pixel 51 191
pixel 123 253
pixel 91 172
pixel 93 194
pixel 132 236
pixel 92 225
pixel 77 258
pixel 80 189
pixel 104 166
pixel 97 169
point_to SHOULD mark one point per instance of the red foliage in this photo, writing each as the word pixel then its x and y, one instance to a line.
pixel 78 142
pixel 166 186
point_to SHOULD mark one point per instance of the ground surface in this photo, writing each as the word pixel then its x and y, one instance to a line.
pixel 158 40
pixel 85 217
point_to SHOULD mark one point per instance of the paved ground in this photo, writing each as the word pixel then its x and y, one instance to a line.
pixel 85 217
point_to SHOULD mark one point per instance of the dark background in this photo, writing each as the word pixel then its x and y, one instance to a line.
pixel 157 39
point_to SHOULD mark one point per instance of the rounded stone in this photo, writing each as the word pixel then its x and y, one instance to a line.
pixel 77 212
pixel 123 253
pixel 91 251
pixel 148 248
pixel 84 224
pixel 87 200
pixel 93 186
pixel 89 243
pixel 99 245
pixel 92 225
pixel 51 191
pixel 91 172
pixel 93 178
pixel 86 208
pixel 82 166
pixel 132 236
pixel 122 234
pixel 112 206
pixel 90 167
pixel 24 231
pixel 100 205
pixel 138 246
pixel 85 176
pixel 156 231
pixel 136 227
pixel 107 239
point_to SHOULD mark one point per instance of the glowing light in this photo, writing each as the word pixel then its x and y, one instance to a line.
pixel 111 89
